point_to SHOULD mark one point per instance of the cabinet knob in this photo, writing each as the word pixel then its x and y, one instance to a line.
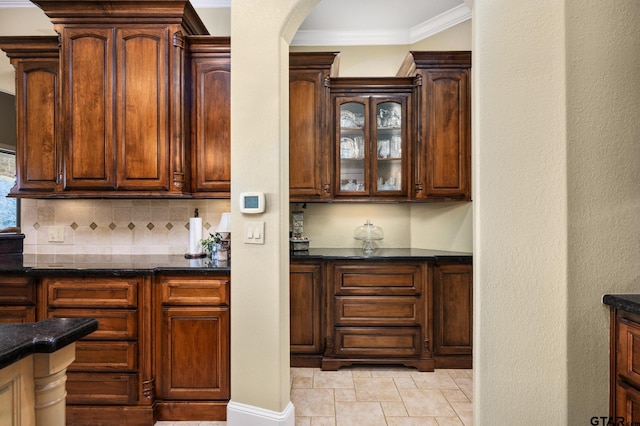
pixel 326 188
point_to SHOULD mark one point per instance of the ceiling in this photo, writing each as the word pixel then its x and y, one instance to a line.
pixel 359 22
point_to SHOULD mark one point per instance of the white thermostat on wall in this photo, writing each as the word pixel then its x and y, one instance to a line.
pixel 252 202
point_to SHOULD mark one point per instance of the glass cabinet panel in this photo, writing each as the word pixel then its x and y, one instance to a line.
pixel 353 147
pixel 388 141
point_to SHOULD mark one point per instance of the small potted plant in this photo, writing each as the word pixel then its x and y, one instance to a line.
pixel 212 244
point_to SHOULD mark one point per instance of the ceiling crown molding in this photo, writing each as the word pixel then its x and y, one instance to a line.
pixel 384 37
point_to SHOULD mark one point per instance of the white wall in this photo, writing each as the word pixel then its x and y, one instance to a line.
pixel 556 205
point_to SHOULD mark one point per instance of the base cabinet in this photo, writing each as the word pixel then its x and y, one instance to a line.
pixel 306 311
pixel 453 315
pixel 377 313
pixel 625 366
pixel 17 299
pixel 192 347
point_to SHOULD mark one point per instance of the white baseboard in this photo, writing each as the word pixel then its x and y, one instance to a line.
pixel 239 414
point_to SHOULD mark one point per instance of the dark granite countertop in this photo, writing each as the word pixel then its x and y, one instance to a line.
pixel 112 265
pixel 20 340
pixel 135 265
pixel 627 302
pixel 382 254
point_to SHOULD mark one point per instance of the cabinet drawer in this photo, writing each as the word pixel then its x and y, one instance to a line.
pixel 101 388
pixel 190 291
pixel 17 291
pixel 628 351
pixel 105 356
pixel 92 292
pixel 372 310
pixel 387 278
pixel 113 324
pixel 377 341
pixel 21 314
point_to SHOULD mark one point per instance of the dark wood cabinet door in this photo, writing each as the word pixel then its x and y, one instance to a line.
pixel 309 136
pixel 306 308
pixel 36 60
pixel 211 117
pixel 87 64
pixel 453 310
pixel 447 111
pixel 194 352
pixel 17 299
pixel 142 109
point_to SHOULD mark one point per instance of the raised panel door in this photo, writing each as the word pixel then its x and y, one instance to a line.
pixel 306 308
pixel 142 105
pixel 453 310
pixel 87 63
pixel 212 125
pixel 194 353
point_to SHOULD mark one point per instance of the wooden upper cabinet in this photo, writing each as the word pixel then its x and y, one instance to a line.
pixel 210 82
pixel 122 113
pixel 309 136
pixel 442 165
pixel 37 97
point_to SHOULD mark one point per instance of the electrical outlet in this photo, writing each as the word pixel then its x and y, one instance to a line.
pixel 56 234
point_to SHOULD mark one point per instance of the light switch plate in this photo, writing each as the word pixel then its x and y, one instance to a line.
pixel 254 232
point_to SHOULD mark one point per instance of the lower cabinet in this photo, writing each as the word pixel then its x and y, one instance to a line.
pixel 413 312
pixel 192 347
pixel 111 380
pixel 306 310
pixel 452 315
pixel 625 367
pixel 377 314
pixel 17 299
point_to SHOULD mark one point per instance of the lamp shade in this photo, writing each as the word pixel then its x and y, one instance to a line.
pixel 224 227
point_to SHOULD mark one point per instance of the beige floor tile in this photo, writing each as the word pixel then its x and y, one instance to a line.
pixel 302 382
pixel 391 372
pixel 426 402
pixel 313 402
pixel 323 421
pixel 211 424
pixel 303 421
pixel 457 374
pixel 333 379
pixel 438 379
pixel 455 395
pixel 449 421
pixel 464 410
pixel 376 389
pixel 411 421
pixel 393 409
pixel 361 371
pixel 405 382
pixel 359 414
pixel 343 395
pixel 302 372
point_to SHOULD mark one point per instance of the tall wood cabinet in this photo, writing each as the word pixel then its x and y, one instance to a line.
pixel 210 115
pixel 442 164
pixel 37 112
pixel 309 135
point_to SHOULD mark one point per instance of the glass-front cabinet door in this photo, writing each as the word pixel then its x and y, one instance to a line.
pixel 371 154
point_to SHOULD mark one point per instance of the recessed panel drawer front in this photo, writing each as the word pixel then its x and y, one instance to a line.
pixel 378 279
pixel 377 341
pixel 113 324
pixel 101 388
pixel 176 291
pixel 105 356
pixel 92 292
pixel 629 350
pixel 17 291
pixel 374 310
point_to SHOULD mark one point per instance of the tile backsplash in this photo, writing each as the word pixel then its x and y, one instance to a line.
pixel 118 226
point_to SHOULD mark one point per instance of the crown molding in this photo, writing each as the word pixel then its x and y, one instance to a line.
pixel 412 35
